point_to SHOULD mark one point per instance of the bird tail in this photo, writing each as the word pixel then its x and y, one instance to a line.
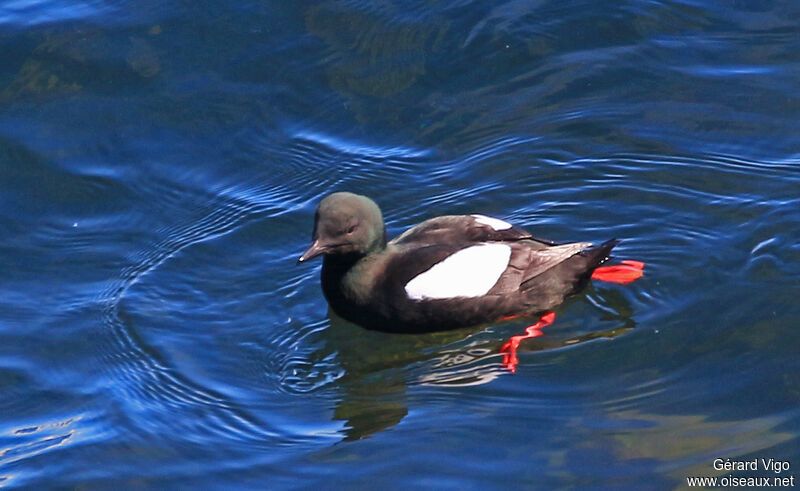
pixel 597 255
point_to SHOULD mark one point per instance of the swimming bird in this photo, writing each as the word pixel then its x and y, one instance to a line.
pixel 447 272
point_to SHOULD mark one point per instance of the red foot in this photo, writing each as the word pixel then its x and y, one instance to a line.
pixel 510 359
pixel 622 274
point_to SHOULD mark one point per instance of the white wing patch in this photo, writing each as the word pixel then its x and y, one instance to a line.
pixel 495 223
pixel 470 272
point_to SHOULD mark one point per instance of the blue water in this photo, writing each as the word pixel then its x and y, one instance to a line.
pixel 159 168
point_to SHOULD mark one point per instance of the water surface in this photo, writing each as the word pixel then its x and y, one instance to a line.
pixel 159 169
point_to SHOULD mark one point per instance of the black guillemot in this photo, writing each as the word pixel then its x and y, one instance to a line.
pixel 447 272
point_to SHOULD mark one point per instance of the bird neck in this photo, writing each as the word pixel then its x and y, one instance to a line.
pixel 345 278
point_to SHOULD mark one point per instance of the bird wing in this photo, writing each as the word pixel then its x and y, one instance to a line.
pixel 528 262
pixel 450 270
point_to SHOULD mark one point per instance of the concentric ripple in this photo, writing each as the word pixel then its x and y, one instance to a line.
pixel 158 389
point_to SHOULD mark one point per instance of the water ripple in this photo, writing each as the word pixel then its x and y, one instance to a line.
pixel 153 382
pixel 26 13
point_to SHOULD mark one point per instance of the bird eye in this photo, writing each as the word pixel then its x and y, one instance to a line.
pixel 351 229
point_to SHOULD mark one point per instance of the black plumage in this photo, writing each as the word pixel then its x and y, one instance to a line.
pixel 364 277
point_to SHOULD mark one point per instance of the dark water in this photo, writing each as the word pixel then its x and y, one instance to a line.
pixel 159 167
